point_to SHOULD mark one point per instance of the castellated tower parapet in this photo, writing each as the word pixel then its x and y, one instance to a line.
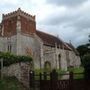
pixel 18 21
pixel 19 12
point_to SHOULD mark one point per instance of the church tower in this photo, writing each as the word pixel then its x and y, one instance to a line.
pixel 18 21
pixel 15 28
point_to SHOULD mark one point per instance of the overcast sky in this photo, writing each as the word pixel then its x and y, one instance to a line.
pixel 67 19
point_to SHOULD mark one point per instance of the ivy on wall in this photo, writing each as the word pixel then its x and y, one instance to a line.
pixel 9 58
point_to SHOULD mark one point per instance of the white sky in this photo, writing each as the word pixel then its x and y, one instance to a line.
pixel 68 19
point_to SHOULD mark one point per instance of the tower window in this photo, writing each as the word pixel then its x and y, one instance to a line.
pixel 9 48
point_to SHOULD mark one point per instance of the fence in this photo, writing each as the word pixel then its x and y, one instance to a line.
pixel 55 81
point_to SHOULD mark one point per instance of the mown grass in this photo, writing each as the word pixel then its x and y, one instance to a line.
pixel 78 73
pixel 76 70
pixel 11 83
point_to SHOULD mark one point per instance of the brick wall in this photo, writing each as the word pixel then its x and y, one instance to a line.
pixel 28 26
pixel 10 26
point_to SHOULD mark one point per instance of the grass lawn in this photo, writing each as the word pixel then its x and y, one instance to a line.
pixel 11 83
pixel 78 72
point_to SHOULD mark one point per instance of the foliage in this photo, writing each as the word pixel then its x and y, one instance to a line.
pixel 38 71
pixel 76 70
pixel 86 60
pixel 10 83
pixel 89 38
pixel 59 71
pixel 82 49
pixel 9 58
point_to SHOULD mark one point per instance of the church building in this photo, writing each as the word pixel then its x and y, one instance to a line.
pixel 18 35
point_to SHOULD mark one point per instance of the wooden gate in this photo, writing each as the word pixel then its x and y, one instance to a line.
pixel 53 81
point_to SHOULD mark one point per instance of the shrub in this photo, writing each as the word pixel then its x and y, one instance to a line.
pixel 9 58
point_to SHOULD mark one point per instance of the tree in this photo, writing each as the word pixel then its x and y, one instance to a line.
pixel 82 49
pixel 85 48
pixel 86 60
pixel 89 38
pixel 86 64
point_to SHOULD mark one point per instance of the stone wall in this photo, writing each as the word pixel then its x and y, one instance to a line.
pixel 67 58
pixel 23 44
pixel 6 41
pixel 51 54
pixel 30 46
pixel 74 59
pixel 20 71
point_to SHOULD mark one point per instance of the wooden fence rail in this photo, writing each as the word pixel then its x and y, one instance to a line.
pixel 53 82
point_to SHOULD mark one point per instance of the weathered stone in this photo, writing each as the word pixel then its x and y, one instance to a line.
pixel 20 71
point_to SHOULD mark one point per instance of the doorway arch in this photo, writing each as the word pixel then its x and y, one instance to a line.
pixel 47 66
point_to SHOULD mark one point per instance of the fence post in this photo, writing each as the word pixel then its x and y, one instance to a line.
pixel 45 76
pixel 54 78
pixel 54 75
pixel 87 77
pixel 40 76
pixel 40 81
pixel 31 79
pixel 71 77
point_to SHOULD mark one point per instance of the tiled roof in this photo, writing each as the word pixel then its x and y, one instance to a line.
pixel 73 48
pixel 51 40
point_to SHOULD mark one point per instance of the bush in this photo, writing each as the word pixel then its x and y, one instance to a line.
pixel 9 58
pixel 11 83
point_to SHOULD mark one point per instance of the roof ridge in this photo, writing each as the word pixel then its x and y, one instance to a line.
pixel 51 39
pixel 47 34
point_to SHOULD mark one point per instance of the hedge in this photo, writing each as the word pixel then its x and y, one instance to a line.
pixel 9 58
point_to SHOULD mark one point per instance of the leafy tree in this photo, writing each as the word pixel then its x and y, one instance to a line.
pixel 89 38
pixel 82 49
pixel 86 64
pixel 86 60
